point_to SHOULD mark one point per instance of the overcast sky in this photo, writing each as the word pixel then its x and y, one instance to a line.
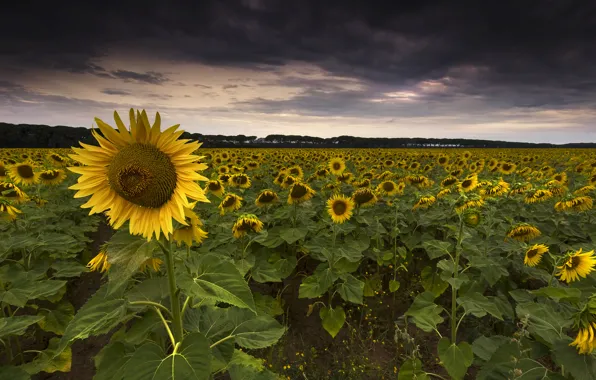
pixel 506 70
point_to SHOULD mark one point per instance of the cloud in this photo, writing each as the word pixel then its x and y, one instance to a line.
pixel 115 91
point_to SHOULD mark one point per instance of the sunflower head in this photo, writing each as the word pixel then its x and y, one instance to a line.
pixel 23 173
pixel 364 197
pixel 142 175
pixel 266 198
pixel 337 166
pixel 523 232
pixel 389 188
pixel 240 180
pixel 469 183
pixel 7 211
pixel 471 217
pixel 585 341
pixel 424 202
pixel 215 187
pixel 340 208
pixel 52 177
pixel 3 171
pixel 300 192
pixel 100 262
pixel 534 254
pixel 576 264
pixel 231 202
pixel 10 191
pixel 246 223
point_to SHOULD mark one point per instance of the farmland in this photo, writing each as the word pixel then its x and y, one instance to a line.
pixel 295 263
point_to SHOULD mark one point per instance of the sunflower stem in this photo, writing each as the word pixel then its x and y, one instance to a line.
pixel 454 323
pixel 174 296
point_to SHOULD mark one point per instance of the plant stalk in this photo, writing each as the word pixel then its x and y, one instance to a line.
pixel 454 323
pixel 174 296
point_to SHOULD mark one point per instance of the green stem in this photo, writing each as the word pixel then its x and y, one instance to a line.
pixel 165 323
pixel 222 340
pixel 174 296
pixel 453 318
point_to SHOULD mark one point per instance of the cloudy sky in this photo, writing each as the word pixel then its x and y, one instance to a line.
pixel 506 70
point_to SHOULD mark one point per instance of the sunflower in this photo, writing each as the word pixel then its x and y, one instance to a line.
pixel 449 181
pixel 11 192
pixel 23 174
pixel 52 177
pixel 144 175
pixel 523 232
pixel 585 341
pixel 57 159
pixel 340 208
pixel 288 181
pixel 507 167
pixel 99 262
pixel 191 231
pixel 266 198
pixel 231 202
pixel 443 193
pixel 534 254
pixel 495 190
pixel 576 265
pixel 151 263
pixel 240 180
pixel 419 181
pixel 388 188
pixel 345 177
pixel 463 204
pixel 364 197
pixel 520 188
pixel 443 160
pixel 581 191
pixel 223 178
pixel 296 172
pixel 300 192
pixel 8 212
pixel 337 166
pixel 539 195
pixel 215 187
pixel 425 202
pixel 469 183
pixel 245 223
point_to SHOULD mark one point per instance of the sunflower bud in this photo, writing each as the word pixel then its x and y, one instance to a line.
pixel 472 217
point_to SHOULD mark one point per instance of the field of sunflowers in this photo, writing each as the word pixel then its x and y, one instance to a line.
pixel 294 263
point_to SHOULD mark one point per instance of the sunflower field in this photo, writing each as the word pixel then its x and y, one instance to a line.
pixel 195 263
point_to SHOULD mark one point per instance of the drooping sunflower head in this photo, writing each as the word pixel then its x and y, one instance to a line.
pixel 288 181
pixel 3 171
pixel 191 232
pixel 424 202
pixel 449 181
pixel 296 172
pixel 364 197
pixel 266 198
pixel 523 232
pixel 142 175
pixel 57 160
pixel 12 192
pixel 100 262
pixel 215 187
pixel 577 264
pixel 585 341
pixel 52 177
pixel 345 177
pixel 469 183
pixel 340 208
pixel 300 192
pixel 464 203
pixel 534 254
pixel 582 190
pixel 443 193
pixel 246 223
pixel 23 174
pixel 7 211
pixel 231 202
pixel 539 195
pixel 337 166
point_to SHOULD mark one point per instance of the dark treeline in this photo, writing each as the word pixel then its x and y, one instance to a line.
pixel 44 136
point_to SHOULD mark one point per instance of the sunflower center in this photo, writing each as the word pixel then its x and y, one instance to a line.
pixel 144 175
pixel 387 186
pixel 339 207
pixel 49 175
pixel 229 201
pixel 336 166
pixel 574 262
pixel 363 197
pixel 214 186
pixel 467 183
pixel 3 172
pixel 266 198
pixel 532 252
pixel 25 171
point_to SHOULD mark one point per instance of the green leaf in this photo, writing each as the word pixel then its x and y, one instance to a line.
pixel 13 373
pixel 293 234
pixel 139 328
pixel 246 367
pixel 25 290
pixel 412 370
pixel 259 332
pixel 393 286
pixel 437 248
pixel 559 294
pixel 455 358
pixel 68 268
pixel 479 305
pixel 268 305
pixel 17 325
pixel 151 289
pixel 582 367
pixel 52 359
pixel 484 347
pixel 432 282
pixel 285 266
pixel 190 362
pixel 126 253
pixel 270 238
pixel 58 318
pixel 333 319
pixel 316 285
pixel 213 278
pixel 264 271
pixel 351 289
pixel 544 321
pixel 372 284
pixel 110 361
pixel 98 316
pixel 425 313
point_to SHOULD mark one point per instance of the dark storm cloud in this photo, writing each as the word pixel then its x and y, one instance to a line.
pixel 496 55
pixel 115 91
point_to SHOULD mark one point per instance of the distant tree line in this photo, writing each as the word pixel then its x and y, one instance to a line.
pixel 44 136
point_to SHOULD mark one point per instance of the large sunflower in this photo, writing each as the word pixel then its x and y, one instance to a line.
pixel 141 175
pixel 577 265
pixel 340 208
